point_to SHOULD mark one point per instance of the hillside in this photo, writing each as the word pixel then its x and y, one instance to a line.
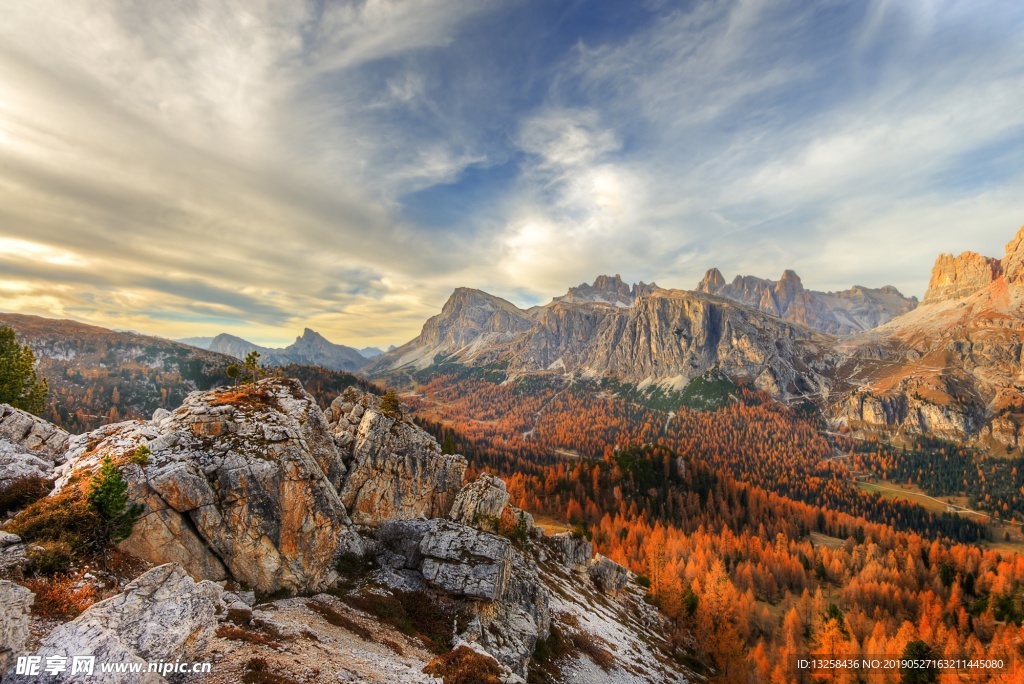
pixel 99 376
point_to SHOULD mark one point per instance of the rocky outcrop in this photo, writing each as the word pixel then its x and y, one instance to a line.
pixel 17 464
pixel 1012 263
pixel 482 499
pixel 396 470
pixel 163 615
pixel 510 607
pixel 836 313
pixel 14 621
pixel 570 551
pixel 32 434
pixel 960 276
pixel 239 481
pixel 607 575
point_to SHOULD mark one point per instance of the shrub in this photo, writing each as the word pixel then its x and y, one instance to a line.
pixel 257 671
pixel 20 493
pixel 464 666
pixel 50 558
pixel 249 636
pixel 390 406
pixel 413 613
pixel 108 495
pixel 58 597
pixel 594 648
pixel 141 455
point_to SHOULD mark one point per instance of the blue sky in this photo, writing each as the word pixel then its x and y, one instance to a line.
pixel 256 168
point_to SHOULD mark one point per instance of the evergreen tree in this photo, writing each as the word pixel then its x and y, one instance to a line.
pixel 108 496
pixel 19 385
pixel 233 371
pixel 252 364
pixel 390 406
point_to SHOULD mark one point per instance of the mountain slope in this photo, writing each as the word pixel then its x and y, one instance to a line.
pixel 953 366
pixel 837 313
pixel 310 349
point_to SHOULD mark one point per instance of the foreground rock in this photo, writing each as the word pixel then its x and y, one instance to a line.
pixel 14 620
pixel 239 481
pixel 32 433
pixel 508 603
pixel 397 470
pixel 163 615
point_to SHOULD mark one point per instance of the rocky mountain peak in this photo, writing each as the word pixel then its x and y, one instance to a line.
pixel 607 290
pixel 712 282
pixel 954 277
pixel 1013 263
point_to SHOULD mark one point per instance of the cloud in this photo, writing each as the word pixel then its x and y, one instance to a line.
pixel 257 168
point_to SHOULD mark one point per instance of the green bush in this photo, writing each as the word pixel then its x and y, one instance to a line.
pixel 20 493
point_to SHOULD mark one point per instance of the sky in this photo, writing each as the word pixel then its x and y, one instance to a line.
pixel 197 167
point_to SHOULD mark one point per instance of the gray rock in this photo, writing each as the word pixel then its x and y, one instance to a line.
pixel 14 620
pixel 484 498
pixel 464 561
pixel 608 576
pixel 32 433
pixel 570 552
pixel 397 470
pixel 239 484
pixel 162 615
pixel 17 463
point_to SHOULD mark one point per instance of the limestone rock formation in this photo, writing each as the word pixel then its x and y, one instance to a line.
pixel 32 433
pixel 607 290
pixel 239 480
pixel 14 621
pixel 484 498
pixel 609 576
pixel 163 615
pixel 961 276
pixel 510 606
pixel 1012 263
pixel 396 470
pixel 836 313
pixel 17 463
pixel 570 551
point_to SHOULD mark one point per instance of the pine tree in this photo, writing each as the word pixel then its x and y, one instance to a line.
pixel 108 496
pixel 390 406
pixel 19 385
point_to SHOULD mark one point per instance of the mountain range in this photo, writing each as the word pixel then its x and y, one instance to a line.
pixel 869 358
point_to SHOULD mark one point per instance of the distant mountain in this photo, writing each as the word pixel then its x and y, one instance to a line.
pixel 311 348
pixel 371 352
pixel 200 342
pixel 837 313
pixel 637 334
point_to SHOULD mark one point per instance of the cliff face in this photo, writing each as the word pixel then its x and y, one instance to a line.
pixel 836 313
pixel 665 337
pixel 953 366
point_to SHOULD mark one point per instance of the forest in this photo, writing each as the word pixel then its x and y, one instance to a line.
pixel 744 526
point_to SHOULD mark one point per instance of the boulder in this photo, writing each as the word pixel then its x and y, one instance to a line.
pixel 240 481
pixel 17 463
pixel 608 576
pixel 570 551
pixel 484 498
pixel 14 620
pixel 465 562
pixel 162 615
pixel 32 433
pixel 397 470
pixel 12 554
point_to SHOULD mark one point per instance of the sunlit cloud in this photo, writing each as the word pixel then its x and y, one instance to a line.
pixel 260 168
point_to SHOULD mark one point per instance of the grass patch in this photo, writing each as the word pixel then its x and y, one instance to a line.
pixel 20 493
pixel 594 648
pixel 337 619
pixel 548 657
pixel 708 392
pixel 464 666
